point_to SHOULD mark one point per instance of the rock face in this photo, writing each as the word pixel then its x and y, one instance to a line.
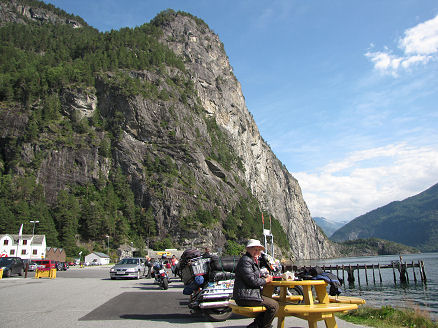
pixel 20 12
pixel 170 131
pixel 221 95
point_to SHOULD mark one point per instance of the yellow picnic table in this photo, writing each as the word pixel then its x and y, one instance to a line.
pixel 323 308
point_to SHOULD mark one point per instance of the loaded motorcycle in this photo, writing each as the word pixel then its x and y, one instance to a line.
pixel 160 275
pixel 209 281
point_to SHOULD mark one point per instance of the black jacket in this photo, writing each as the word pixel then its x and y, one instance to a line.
pixel 248 281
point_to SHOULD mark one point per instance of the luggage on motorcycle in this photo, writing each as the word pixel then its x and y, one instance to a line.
pixel 220 275
pixel 227 264
pixel 195 267
pixel 194 285
pixel 199 266
pixel 186 275
pixel 189 254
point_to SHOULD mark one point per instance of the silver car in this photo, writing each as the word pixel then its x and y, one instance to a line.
pixel 32 266
pixel 131 267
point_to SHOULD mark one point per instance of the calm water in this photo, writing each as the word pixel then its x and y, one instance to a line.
pixel 412 295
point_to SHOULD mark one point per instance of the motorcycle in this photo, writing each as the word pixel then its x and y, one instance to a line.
pixel 212 299
pixel 160 275
pixel 210 290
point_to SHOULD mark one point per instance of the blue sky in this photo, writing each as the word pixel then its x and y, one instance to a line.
pixel 345 92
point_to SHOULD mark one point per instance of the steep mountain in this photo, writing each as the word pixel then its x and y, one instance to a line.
pixel 329 227
pixel 139 134
pixel 413 222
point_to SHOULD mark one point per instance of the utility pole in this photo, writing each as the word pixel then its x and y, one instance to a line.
pixel 107 236
pixel 33 234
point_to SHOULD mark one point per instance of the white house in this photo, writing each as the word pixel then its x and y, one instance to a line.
pixel 31 247
pixel 97 258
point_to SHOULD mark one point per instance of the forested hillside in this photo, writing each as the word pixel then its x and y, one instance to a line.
pixel 39 63
pixel 105 134
pixel 413 222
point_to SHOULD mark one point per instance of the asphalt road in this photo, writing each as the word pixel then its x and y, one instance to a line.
pixel 86 297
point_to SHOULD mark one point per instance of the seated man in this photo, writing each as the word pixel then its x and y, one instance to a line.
pixel 248 283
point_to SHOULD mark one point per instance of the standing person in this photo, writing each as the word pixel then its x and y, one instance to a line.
pixel 248 283
pixel 174 262
pixel 149 265
pixel 206 252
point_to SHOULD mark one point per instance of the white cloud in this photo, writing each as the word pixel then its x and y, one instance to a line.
pixel 368 179
pixel 421 39
pixel 419 46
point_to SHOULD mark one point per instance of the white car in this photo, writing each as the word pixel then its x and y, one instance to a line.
pixel 32 266
pixel 131 267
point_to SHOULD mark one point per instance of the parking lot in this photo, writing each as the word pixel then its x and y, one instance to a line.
pixel 86 297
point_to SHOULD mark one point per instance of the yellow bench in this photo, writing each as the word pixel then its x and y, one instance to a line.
pixel 318 308
pixel 312 313
pixel 316 312
pixel 247 311
pixel 346 299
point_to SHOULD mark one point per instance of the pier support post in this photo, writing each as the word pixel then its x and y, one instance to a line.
pixel 402 272
pixel 424 272
pixel 358 275
pixel 366 274
pixel 413 270
pixel 350 274
pixel 343 276
pixel 380 273
pixel 374 276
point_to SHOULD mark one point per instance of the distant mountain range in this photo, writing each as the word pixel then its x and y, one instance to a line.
pixel 329 227
pixel 413 222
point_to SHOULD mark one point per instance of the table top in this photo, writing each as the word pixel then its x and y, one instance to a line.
pixel 290 283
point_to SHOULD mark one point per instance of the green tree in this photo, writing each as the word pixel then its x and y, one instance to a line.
pixel 66 216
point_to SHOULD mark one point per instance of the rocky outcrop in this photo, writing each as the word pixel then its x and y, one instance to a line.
pixel 20 11
pixel 221 96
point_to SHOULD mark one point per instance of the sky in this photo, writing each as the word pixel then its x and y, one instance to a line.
pixel 344 91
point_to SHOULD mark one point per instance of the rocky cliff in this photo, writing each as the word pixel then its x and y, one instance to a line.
pixel 186 143
pixel 221 96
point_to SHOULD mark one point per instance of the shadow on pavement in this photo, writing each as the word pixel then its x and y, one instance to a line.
pixel 165 306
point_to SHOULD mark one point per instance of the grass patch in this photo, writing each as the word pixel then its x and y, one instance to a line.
pixel 388 317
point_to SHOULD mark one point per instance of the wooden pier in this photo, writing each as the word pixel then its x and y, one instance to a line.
pixel 404 269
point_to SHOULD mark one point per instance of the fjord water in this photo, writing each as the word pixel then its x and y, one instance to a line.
pixel 413 295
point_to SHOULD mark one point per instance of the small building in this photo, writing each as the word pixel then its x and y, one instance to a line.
pixel 97 258
pixel 31 247
pixel 55 254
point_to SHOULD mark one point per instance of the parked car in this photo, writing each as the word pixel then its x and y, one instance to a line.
pixel 32 266
pixel 132 267
pixel 45 264
pixel 28 262
pixel 11 265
